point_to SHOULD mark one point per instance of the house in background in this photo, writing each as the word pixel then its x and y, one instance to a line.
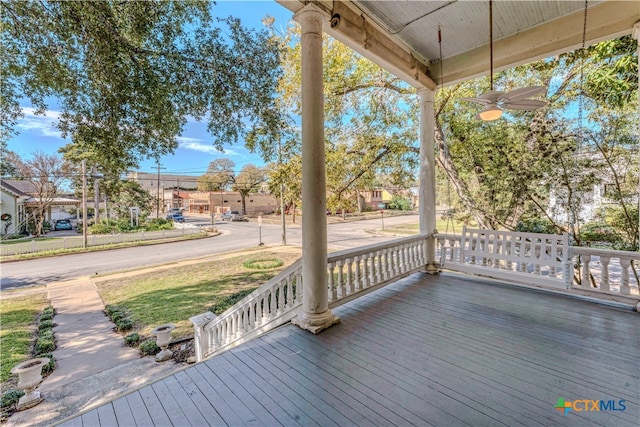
pixel 12 208
pixel 19 198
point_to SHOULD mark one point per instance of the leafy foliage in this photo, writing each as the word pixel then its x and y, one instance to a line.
pixel 371 119
pixel 128 74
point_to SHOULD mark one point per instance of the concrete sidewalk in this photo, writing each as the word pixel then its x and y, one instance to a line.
pixel 92 364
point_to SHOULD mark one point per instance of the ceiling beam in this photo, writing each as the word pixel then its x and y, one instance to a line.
pixel 606 20
pixel 364 37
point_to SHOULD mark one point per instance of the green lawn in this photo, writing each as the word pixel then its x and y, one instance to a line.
pixel 441 225
pixel 18 317
pixel 175 295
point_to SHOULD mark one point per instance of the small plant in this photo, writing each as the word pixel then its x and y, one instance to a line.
pixel 45 334
pixel 263 263
pixel 124 325
pixel 47 313
pixel 11 398
pixel 44 346
pixel 45 324
pixel 110 309
pixel 117 316
pixel 132 340
pixel 149 348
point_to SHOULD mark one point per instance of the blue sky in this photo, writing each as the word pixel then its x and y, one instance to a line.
pixel 196 151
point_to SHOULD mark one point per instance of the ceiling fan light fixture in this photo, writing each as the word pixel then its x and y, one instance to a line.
pixel 490 112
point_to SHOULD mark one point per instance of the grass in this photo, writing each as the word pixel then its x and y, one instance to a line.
pixel 18 316
pixel 174 295
pixel 441 226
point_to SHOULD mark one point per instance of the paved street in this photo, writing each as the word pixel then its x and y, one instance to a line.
pixel 235 236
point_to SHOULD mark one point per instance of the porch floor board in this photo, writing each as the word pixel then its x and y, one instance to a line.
pixel 447 350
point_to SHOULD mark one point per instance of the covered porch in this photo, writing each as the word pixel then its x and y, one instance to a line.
pixel 424 350
pixel 427 350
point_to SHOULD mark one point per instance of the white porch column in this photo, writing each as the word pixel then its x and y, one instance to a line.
pixel 428 176
pixel 315 315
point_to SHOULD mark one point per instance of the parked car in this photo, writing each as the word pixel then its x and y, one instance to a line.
pixel 232 216
pixel 175 217
pixel 62 224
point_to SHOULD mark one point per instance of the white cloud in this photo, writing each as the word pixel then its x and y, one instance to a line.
pixel 197 144
pixel 39 124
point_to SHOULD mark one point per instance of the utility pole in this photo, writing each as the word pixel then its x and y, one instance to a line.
pixel 158 190
pixel 84 203
pixel 96 195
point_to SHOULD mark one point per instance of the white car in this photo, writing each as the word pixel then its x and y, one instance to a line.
pixel 232 216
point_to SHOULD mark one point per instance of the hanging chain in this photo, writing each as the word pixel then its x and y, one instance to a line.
pixel 572 221
pixel 582 54
pixel 449 213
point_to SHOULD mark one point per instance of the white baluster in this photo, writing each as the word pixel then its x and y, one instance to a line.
pixel 252 315
pixel 625 264
pixel 585 279
pixel 604 274
pixel 341 287
pixel 366 273
pixel 379 255
pixel 349 287
pixel 358 274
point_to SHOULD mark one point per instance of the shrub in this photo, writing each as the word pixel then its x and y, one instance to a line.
pixel 110 308
pixel 156 224
pixel 45 324
pixel 117 316
pixel 123 325
pixel 44 346
pixel 225 302
pixel 45 335
pixel 10 398
pixel 149 348
pixel 536 225
pixel 599 233
pixel 132 340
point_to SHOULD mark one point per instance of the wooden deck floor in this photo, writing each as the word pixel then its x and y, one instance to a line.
pixel 442 350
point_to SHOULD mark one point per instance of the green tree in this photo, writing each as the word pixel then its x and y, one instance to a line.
pixel 371 120
pixel 10 162
pixel 128 74
pixel 219 176
pixel 503 172
pixel 127 194
pixel 248 181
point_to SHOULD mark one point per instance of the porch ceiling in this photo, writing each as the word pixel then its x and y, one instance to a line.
pixel 403 36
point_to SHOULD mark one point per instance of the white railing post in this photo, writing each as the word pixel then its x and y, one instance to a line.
pixel 201 337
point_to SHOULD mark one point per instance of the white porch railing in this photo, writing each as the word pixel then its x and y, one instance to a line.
pixel 607 271
pixel 354 272
pixel 30 246
pixel 350 273
pixel 596 271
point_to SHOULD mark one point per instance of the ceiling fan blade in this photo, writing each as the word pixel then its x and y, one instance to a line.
pixel 478 100
pixel 525 105
pixel 522 93
pixel 492 95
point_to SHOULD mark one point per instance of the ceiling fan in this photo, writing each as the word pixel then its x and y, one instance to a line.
pixel 495 101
